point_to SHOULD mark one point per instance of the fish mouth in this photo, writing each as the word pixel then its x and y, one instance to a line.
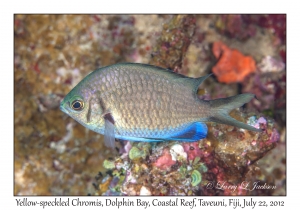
pixel 62 108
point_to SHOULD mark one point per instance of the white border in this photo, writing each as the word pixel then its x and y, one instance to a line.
pixel 8 8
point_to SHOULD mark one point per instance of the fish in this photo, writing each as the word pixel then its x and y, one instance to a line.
pixel 142 102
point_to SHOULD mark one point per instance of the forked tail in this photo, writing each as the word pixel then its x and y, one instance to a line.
pixel 221 108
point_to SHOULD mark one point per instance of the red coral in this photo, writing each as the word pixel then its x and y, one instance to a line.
pixel 165 161
pixel 232 66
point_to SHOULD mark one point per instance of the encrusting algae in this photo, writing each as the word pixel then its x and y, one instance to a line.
pixel 136 153
pixel 196 178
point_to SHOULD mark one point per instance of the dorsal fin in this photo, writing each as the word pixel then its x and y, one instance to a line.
pixel 194 83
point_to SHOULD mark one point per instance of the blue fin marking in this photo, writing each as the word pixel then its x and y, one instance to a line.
pixel 130 138
pixel 193 132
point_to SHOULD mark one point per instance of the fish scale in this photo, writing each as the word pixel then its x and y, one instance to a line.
pixel 167 105
pixel 147 103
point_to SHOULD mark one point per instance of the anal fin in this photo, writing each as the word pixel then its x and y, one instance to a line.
pixel 141 139
pixel 190 133
pixel 193 132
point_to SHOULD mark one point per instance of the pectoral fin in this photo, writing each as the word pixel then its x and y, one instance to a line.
pixel 109 131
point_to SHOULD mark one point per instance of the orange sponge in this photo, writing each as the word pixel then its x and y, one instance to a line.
pixel 232 66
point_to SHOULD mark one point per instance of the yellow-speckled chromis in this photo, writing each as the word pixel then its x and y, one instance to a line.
pixel 140 102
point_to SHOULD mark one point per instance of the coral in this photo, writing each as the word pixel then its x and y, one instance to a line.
pixel 270 64
pixel 192 149
pixel 62 155
pixel 136 153
pixel 145 191
pixel 196 178
pixel 269 86
pixel 225 156
pixel 173 42
pixel 53 155
pixel 108 164
pixel 234 26
pixel 245 147
pixel 165 161
pixel 276 22
pixel 243 27
pixel 232 65
pixel 177 152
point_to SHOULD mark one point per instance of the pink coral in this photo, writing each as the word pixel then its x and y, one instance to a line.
pixel 261 120
pixel 192 149
pixel 274 136
pixel 165 161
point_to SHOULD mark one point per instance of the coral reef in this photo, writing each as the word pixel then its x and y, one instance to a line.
pixel 235 26
pixel 275 22
pixel 54 155
pixel 232 65
pixel 243 27
pixel 269 86
pixel 226 155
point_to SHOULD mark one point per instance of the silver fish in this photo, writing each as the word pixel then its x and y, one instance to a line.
pixel 140 102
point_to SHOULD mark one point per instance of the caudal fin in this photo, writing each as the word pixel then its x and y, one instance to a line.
pixel 221 108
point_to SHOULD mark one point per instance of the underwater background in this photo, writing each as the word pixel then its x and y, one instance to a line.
pixel 54 155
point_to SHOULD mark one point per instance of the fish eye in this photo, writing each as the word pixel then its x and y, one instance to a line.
pixel 77 105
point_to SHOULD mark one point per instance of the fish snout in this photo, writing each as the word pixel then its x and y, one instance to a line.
pixel 62 107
